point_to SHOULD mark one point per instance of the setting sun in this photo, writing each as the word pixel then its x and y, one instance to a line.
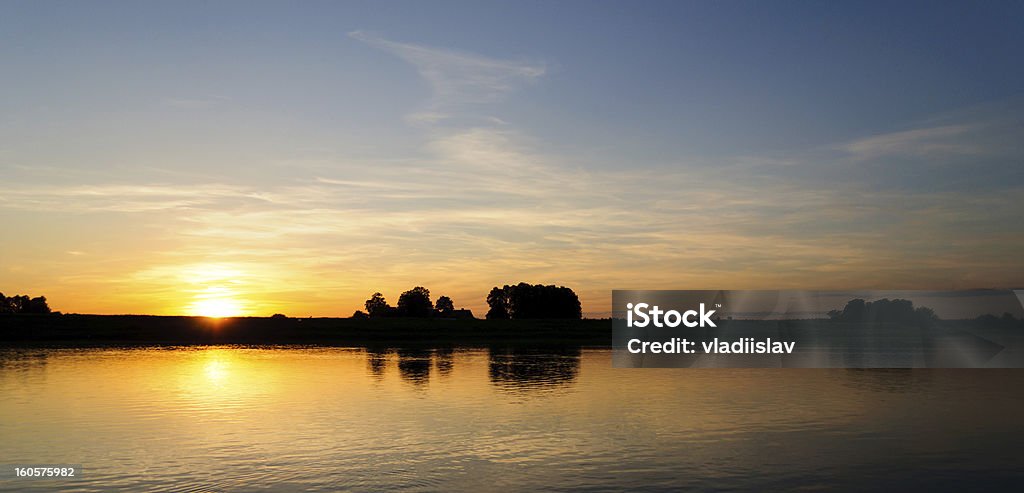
pixel 216 308
pixel 217 290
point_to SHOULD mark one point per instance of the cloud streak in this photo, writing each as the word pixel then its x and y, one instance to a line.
pixel 124 197
pixel 941 140
pixel 458 80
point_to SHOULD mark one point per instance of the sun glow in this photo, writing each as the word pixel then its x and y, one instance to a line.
pixel 217 291
pixel 216 308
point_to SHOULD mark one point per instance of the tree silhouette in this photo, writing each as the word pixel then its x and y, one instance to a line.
pixel 23 304
pixel 1007 320
pixel 497 299
pixel 898 311
pixel 444 307
pixel 415 303
pixel 533 301
pixel 925 316
pixel 377 306
pixel 412 303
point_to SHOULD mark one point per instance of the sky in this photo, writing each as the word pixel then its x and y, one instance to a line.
pixel 276 157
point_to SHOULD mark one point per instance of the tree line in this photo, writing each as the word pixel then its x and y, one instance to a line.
pixel 23 304
pixel 510 302
pixel 898 311
pixel 412 303
pixel 901 311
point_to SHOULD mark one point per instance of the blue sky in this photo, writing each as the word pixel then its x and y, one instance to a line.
pixel 329 149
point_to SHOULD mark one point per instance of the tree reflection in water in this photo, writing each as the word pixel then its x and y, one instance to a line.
pixel 511 369
pixel 414 365
pixel 444 360
pixel 376 361
pixel 528 369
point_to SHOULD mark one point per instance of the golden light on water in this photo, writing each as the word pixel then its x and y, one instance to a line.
pixel 216 371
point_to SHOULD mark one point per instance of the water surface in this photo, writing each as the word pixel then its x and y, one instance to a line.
pixel 329 419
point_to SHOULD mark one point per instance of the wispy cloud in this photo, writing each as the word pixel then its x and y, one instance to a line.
pixel 458 79
pixel 941 140
pixel 123 197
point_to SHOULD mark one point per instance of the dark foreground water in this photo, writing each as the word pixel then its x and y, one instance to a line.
pixel 315 419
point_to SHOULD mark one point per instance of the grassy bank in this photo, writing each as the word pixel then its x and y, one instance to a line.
pixel 129 330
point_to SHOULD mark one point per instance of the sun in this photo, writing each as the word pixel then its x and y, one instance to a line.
pixel 216 308
pixel 216 291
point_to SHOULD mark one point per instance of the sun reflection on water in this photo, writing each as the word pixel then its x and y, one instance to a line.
pixel 217 372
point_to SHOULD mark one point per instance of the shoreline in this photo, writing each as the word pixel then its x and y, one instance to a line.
pixel 83 331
